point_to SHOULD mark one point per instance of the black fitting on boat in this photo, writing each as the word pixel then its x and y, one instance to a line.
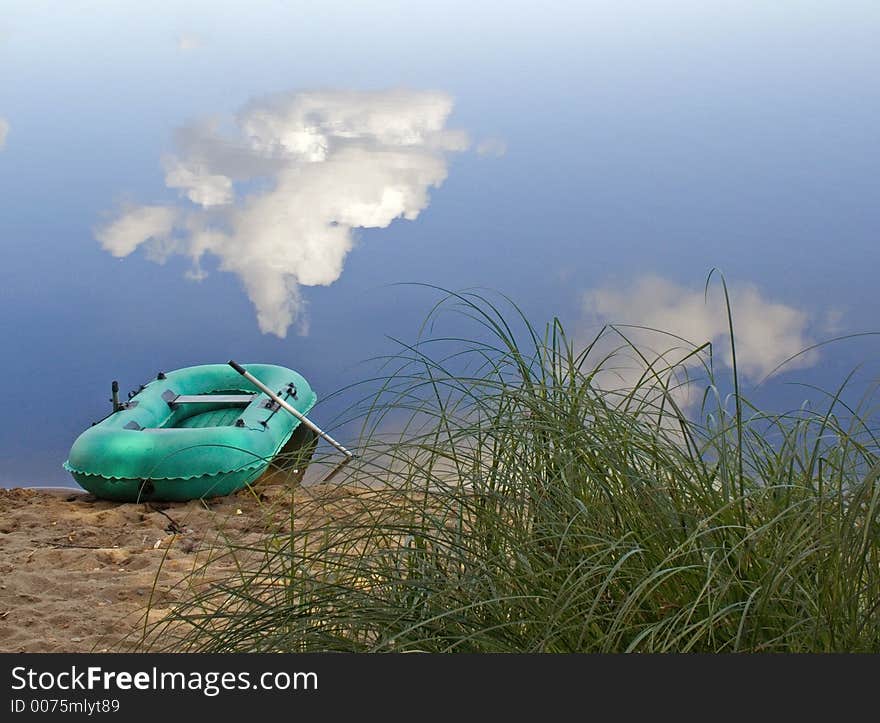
pixel 264 422
pixel 114 395
pixel 160 375
pixel 291 390
pixel 239 422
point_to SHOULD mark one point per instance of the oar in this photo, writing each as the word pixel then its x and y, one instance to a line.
pixel 301 417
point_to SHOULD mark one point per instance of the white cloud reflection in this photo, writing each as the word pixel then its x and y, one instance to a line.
pixel 767 333
pixel 276 196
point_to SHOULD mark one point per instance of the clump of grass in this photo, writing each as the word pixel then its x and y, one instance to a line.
pixel 521 505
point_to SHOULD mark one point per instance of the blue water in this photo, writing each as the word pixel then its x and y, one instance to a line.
pixel 624 143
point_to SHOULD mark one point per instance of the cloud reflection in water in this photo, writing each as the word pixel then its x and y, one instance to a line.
pixel 276 197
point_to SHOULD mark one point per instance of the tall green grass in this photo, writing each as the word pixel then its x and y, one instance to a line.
pixel 507 499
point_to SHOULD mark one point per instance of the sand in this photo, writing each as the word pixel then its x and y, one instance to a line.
pixel 77 573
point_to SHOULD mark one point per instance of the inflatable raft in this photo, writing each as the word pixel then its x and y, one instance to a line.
pixel 196 432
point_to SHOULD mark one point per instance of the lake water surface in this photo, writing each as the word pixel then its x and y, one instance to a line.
pixel 184 184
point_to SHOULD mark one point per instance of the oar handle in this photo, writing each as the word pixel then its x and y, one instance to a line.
pixel 299 415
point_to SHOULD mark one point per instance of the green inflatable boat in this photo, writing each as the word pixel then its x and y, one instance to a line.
pixel 196 432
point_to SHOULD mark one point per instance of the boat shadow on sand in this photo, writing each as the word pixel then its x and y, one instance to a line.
pixel 288 467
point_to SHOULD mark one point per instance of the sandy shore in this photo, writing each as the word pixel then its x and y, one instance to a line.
pixel 77 573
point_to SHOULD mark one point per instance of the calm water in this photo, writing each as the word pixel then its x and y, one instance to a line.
pixel 182 186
